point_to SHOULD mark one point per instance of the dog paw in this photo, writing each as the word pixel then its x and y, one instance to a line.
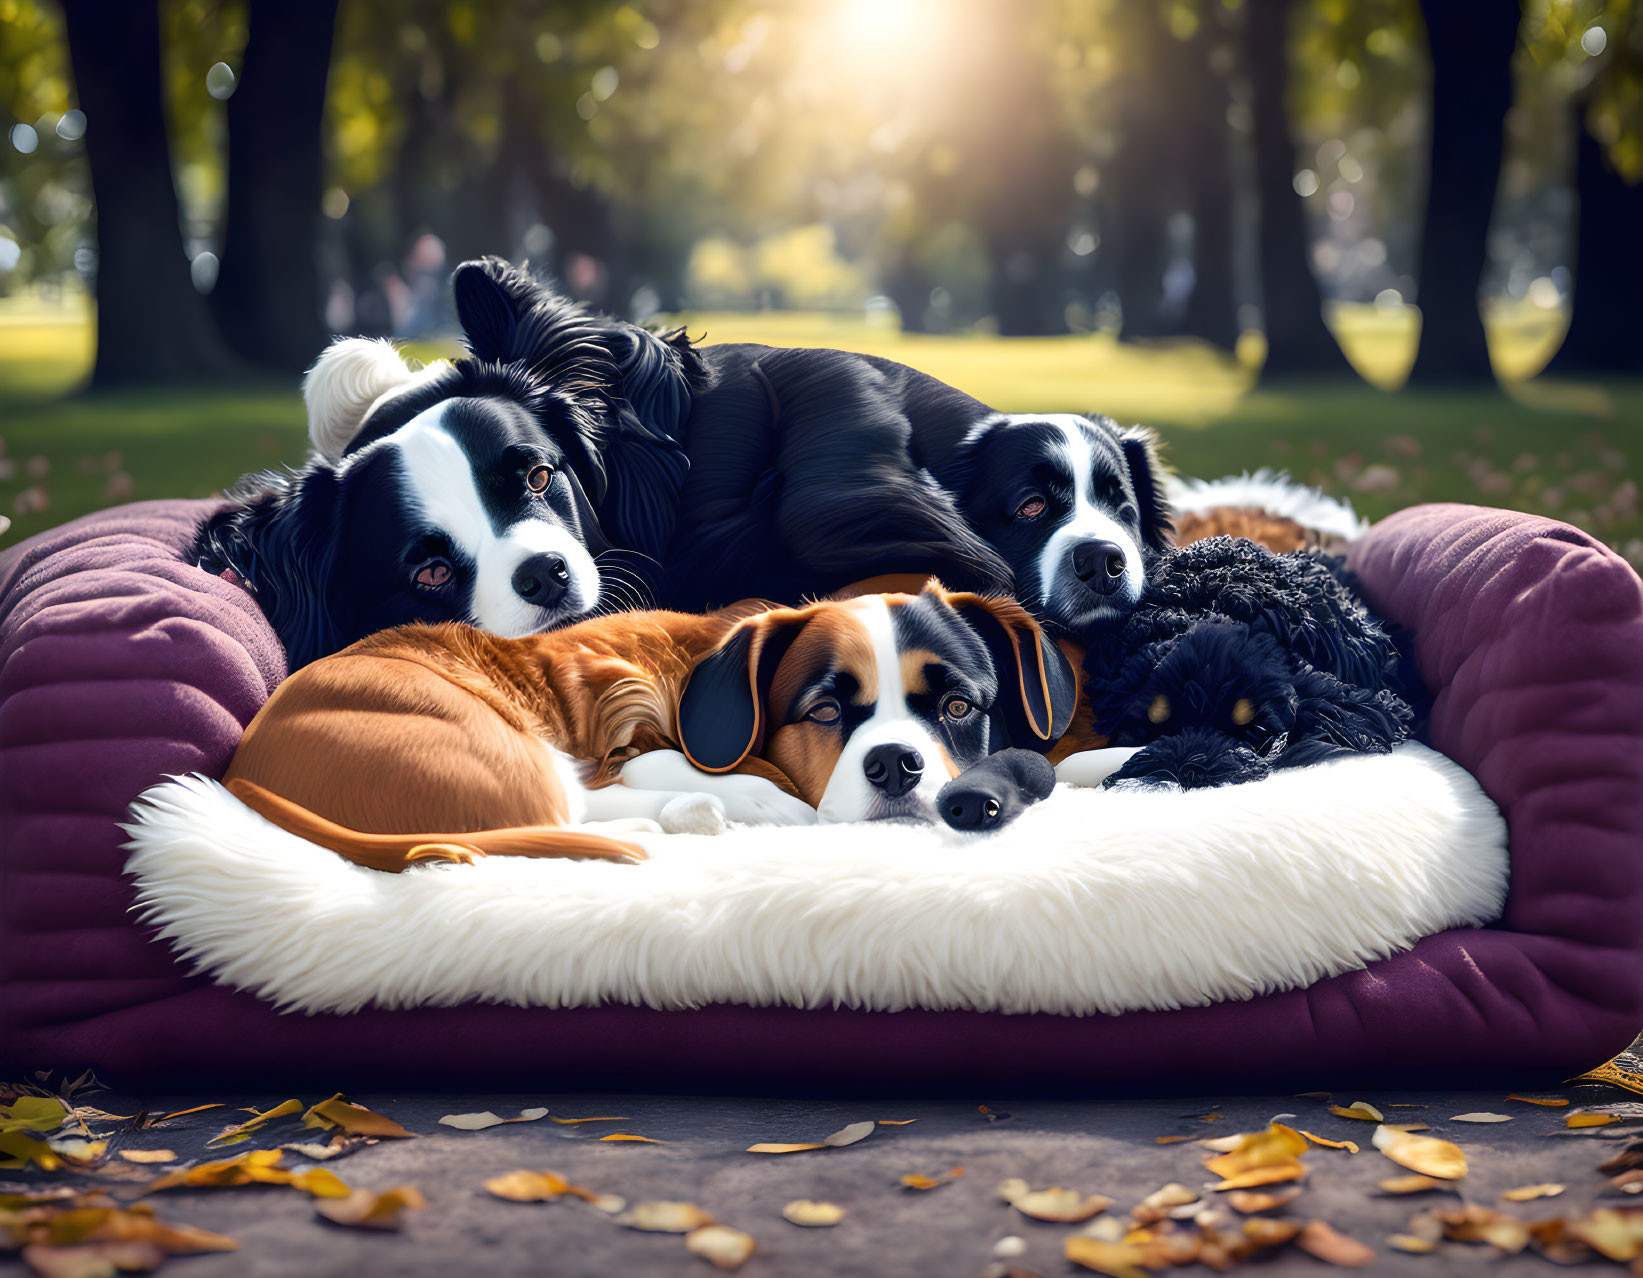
pixel 693 814
pixel 755 801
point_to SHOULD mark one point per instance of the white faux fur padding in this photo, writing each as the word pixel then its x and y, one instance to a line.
pixel 1094 901
pixel 345 383
pixel 1274 492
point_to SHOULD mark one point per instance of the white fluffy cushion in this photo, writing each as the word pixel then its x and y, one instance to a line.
pixel 1094 901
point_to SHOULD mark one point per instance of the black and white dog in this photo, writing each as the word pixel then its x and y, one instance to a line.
pixel 496 489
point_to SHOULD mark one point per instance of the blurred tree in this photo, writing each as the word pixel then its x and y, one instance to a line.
pixel 152 324
pixel 1299 343
pixel 1605 328
pixel 1471 44
pixel 267 299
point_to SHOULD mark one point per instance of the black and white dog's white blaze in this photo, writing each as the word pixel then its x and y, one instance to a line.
pixel 1075 505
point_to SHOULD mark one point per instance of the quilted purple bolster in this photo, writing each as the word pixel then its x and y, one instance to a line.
pixel 118 663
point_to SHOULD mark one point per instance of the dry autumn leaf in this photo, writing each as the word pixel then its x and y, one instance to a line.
pixel 1171 1140
pixel 243 1131
pixel 183 1113
pixel 646 1140
pixel 1350 1146
pixel 917 1180
pixel 33 1114
pixel 813 1215
pixel 1270 1233
pixel 1480 1118
pixel 1589 1118
pixel 1274 1145
pixel 485 1119
pixel 1318 1239
pixel 1617 1234
pixel 363 1209
pixel 1471 1223
pixel 148 1155
pixel 1273 1174
pixel 1412 1184
pixel 896 1122
pixel 771 1147
pixel 1117 1260
pixel 1158 1204
pixel 1410 1243
pixel 91 1260
pixel 1527 1193
pixel 723 1247
pixel 356 1120
pixel 664 1217
pixel 1359 1109
pixel 850 1135
pixel 569 1122
pixel 1424 1154
pixel 1061 1205
pixel 1243 1200
pixel 528 1186
pixel 1550 1102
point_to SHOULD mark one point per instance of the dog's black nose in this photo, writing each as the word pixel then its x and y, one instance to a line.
pixel 542 580
pixel 895 769
pixel 1099 565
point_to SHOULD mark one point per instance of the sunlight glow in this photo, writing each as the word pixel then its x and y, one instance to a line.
pixel 885 26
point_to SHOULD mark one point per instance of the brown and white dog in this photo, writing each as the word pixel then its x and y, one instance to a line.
pixel 446 742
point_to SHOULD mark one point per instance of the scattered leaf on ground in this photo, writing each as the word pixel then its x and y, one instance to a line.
pixel 917 1180
pixel 1412 1184
pixel 1158 1204
pixel 1013 1188
pixel 338 1146
pixel 183 1113
pixel 1526 1193
pixel 92 1260
pixel 1171 1140
pixel 1472 1223
pixel 148 1155
pixel 813 1215
pixel 1273 1174
pixel 1424 1154
pixel 1481 1118
pixel 1248 1202
pixel 1617 1234
pixel 648 1140
pixel 664 1217
pixel 850 1135
pixel 472 1122
pixel 568 1122
pixel 256 1122
pixel 356 1120
pixel 1550 1102
pixel 1273 1145
pixel 1350 1146
pixel 1411 1244
pixel 1589 1118
pixel 1318 1239
pixel 1061 1205
pixel 528 1186
pixel 364 1209
pixel 1360 1110
pixel 724 1247
pixel 33 1114
pixel 896 1122
pixel 259 1166
pixel 1117 1260
pixel 771 1147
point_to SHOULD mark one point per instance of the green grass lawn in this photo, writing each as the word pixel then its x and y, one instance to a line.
pixel 1573 450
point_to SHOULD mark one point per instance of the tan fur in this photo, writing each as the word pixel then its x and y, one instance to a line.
pixel 1275 532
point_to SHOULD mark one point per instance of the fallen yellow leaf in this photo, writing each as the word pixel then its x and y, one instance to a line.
pixel 1526 1193
pixel 648 1140
pixel 356 1120
pixel 1117 1260
pixel 1425 1154
pixel 723 1247
pixel 1275 1144
pixel 917 1180
pixel 1350 1146
pixel 1412 1244
pixel 1412 1184
pixel 1551 1102
pixel 528 1186
pixel 567 1122
pixel 1273 1174
pixel 813 1215
pixel 148 1155
pixel 1359 1109
pixel 1171 1140
pixel 896 1122
pixel 1243 1200
pixel 849 1135
pixel 256 1122
pixel 1318 1239
pixel 1061 1205
pixel 768 1147
pixel 363 1209
pixel 1618 1235
pixel 1589 1119
pixel 33 1114
pixel 1481 1118
pixel 665 1217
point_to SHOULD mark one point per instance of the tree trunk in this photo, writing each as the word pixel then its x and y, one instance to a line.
pixel 1605 328
pixel 1206 172
pixel 268 300
pixel 1138 185
pixel 1299 343
pixel 1471 42
pixel 152 325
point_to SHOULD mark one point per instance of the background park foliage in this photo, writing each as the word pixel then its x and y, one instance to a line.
pixel 1389 245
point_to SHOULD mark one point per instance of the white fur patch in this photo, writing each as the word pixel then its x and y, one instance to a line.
pixel 1086 521
pixel 1094 901
pixel 1274 492
pixel 444 491
pixel 345 383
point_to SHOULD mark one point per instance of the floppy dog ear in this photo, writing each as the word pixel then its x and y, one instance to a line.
pixel 490 296
pixel 721 710
pixel 277 539
pixel 1140 447
pixel 1037 685
pixel 348 377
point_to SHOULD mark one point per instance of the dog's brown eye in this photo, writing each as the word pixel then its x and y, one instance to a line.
pixel 1158 711
pixel 956 708
pixel 1243 710
pixel 537 478
pixel 1032 508
pixel 433 574
pixel 824 712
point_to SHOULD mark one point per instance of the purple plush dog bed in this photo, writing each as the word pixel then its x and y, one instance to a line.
pixel 119 663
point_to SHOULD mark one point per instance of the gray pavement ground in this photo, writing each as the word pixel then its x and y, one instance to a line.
pixel 1107 1147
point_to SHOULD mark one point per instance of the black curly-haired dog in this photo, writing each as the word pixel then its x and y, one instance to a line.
pixel 1238 661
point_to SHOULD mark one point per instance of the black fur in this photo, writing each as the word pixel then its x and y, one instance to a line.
pixel 990 794
pixel 1226 621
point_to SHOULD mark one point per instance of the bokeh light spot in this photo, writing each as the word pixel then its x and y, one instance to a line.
pixel 203 272
pixel 1594 41
pixel 11 253
pixel 334 203
pixel 1543 292
pixel 605 80
pixel 1388 298
pixel 1306 183
pixel 219 81
pixel 72 126
pixel 24 138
